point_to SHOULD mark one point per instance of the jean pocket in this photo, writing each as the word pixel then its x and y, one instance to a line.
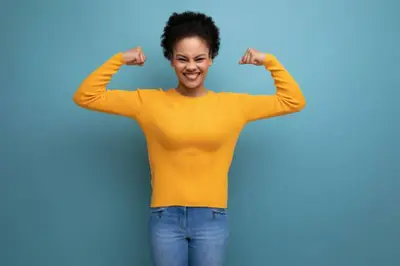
pixel 158 210
pixel 219 211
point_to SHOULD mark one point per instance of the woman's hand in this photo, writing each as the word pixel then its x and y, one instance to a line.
pixel 134 57
pixel 253 57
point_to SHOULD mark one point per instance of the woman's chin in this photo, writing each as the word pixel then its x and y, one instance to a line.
pixel 192 85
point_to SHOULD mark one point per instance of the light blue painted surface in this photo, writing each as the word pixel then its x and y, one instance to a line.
pixel 320 187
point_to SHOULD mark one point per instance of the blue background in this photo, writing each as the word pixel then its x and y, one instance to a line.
pixel 320 187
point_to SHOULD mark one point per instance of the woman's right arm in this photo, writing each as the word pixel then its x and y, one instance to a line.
pixel 93 94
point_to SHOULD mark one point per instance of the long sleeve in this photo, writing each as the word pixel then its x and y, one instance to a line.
pixel 93 93
pixel 288 98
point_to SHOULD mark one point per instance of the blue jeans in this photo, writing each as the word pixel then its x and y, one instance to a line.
pixel 182 236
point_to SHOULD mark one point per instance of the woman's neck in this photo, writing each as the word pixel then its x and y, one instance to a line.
pixel 195 92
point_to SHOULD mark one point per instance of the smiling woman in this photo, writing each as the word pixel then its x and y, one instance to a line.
pixel 191 61
pixel 191 41
pixel 191 134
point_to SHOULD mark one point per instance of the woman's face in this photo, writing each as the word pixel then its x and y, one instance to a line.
pixel 191 60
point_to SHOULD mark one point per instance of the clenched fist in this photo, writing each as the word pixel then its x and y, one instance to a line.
pixel 253 57
pixel 134 57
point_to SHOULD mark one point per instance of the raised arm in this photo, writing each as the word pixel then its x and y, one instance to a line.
pixel 287 99
pixel 93 94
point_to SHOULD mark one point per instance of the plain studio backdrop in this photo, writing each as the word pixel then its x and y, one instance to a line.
pixel 320 187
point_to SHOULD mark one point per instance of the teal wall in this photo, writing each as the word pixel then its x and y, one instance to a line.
pixel 320 187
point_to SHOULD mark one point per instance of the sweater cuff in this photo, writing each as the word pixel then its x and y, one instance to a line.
pixel 269 60
pixel 119 58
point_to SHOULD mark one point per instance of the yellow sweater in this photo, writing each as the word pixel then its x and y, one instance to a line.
pixel 190 140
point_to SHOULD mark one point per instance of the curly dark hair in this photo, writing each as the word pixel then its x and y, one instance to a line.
pixel 190 24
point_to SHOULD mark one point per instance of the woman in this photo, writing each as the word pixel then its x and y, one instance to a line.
pixel 191 133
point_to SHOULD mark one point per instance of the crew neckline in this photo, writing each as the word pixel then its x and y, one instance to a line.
pixel 190 98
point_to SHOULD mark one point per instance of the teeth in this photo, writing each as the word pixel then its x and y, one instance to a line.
pixel 192 76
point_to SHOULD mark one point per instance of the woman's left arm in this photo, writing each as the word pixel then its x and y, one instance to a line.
pixel 287 99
